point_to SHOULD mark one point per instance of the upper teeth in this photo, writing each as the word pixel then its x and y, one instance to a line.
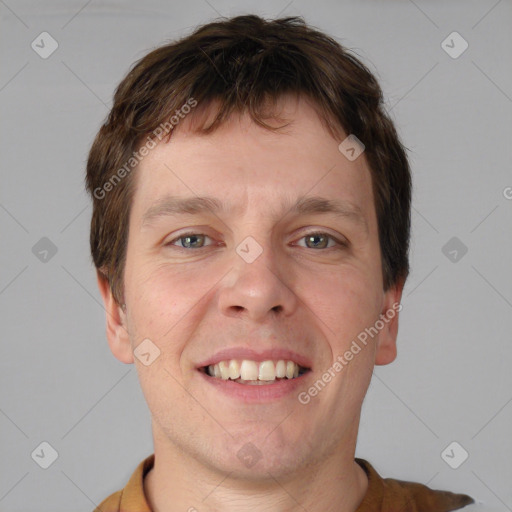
pixel 252 370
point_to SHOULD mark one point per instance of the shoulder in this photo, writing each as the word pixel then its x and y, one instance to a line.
pixel 132 497
pixel 110 504
pixel 424 499
pixel 391 494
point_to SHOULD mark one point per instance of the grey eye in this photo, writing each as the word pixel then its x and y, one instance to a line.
pixel 317 241
pixel 191 241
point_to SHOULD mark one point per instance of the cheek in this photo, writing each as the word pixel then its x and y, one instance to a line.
pixel 346 301
pixel 166 300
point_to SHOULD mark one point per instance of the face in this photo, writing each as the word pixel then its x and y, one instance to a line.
pixel 280 263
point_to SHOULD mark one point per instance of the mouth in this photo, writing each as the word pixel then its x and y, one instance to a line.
pixel 255 373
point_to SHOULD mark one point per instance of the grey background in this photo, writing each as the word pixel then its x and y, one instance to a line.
pixel 452 379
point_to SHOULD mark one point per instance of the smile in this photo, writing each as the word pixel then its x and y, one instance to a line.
pixel 251 372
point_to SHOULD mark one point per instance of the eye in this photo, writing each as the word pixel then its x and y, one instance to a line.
pixel 321 241
pixel 190 241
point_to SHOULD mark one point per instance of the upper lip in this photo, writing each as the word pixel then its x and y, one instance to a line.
pixel 240 353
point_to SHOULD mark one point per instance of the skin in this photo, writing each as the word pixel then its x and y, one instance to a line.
pixel 193 302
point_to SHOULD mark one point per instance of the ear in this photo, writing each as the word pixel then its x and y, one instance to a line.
pixel 386 343
pixel 117 332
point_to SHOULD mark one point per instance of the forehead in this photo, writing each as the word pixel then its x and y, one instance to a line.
pixel 242 163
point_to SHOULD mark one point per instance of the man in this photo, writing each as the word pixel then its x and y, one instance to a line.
pixel 250 230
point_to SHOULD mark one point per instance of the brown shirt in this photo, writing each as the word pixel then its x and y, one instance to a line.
pixel 382 495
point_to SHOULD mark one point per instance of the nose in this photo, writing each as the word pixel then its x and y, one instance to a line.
pixel 257 290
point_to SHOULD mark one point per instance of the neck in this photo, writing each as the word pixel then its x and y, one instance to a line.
pixel 179 482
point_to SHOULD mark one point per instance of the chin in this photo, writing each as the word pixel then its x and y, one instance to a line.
pixel 261 459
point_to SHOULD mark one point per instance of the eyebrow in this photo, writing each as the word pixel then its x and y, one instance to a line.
pixel 173 206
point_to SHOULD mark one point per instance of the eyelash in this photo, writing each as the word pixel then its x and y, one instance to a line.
pixel 340 244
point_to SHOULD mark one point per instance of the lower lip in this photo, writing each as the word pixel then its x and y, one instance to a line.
pixel 248 393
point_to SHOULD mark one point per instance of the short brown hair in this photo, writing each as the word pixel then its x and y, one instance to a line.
pixel 240 65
